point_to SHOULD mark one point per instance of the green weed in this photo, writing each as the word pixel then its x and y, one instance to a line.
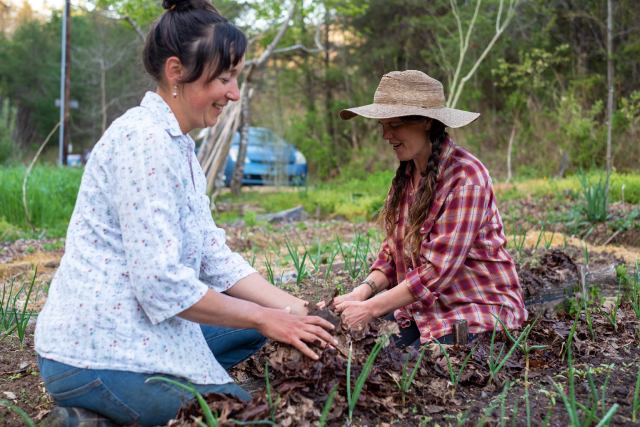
pixel 406 379
pixel 635 405
pixel 572 406
pixel 298 262
pixel 28 421
pixel 353 395
pixel 454 376
pixel 51 196
pixel 327 406
pixel 14 318
pixel 210 418
pixel 594 206
pixel 497 361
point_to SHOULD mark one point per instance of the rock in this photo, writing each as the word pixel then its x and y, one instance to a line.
pixel 293 214
pixel 10 395
pixel 52 264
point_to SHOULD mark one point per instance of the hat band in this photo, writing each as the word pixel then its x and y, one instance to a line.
pixel 409 101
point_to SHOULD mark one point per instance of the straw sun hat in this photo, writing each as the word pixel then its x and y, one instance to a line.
pixel 410 93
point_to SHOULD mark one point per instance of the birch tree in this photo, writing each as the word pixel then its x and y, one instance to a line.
pixel 505 14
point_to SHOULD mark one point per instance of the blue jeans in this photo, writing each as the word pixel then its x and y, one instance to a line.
pixel 410 336
pixel 125 398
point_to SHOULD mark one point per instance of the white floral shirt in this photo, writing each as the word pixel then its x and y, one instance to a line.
pixel 141 248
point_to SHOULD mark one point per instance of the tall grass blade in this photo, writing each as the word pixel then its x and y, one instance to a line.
pixel 327 406
pixel 19 411
pixel 212 421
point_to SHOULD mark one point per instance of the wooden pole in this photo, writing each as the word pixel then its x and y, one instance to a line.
pixel 610 77
pixel 67 83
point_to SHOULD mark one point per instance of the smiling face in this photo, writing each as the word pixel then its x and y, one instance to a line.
pixel 408 138
pixel 202 101
pixel 198 104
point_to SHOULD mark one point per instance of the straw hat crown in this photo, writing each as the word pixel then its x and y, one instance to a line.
pixel 410 93
pixel 410 87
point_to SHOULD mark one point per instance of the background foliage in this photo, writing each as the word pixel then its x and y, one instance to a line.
pixel 544 79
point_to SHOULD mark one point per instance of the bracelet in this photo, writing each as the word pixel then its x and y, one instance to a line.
pixel 371 284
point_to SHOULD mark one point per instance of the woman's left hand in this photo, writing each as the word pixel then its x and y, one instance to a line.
pixel 355 313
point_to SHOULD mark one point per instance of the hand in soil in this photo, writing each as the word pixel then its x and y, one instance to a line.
pixel 297 330
pixel 354 295
pixel 355 314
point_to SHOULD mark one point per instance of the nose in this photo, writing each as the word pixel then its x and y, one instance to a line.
pixel 386 133
pixel 234 91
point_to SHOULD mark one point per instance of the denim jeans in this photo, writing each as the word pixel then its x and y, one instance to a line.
pixel 125 398
pixel 410 336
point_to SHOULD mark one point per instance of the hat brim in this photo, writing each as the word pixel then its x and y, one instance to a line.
pixel 449 116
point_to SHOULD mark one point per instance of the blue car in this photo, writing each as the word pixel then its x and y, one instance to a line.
pixel 270 160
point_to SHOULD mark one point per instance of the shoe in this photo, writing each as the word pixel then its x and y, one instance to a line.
pixel 75 417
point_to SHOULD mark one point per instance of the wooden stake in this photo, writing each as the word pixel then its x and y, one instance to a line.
pixel 460 332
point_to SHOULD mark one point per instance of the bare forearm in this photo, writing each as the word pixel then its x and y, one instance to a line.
pixel 256 289
pixel 219 309
pixel 379 281
pixel 386 302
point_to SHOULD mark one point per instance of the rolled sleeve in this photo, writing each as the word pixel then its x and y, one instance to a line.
pixel 386 264
pixel 451 238
pixel 149 194
pixel 221 268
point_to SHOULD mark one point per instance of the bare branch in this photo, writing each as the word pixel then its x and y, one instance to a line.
pixel 267 53
pixel 457 90
pixel 463 44
pixel 135 26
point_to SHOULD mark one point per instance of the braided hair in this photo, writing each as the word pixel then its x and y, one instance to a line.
pixel 424 196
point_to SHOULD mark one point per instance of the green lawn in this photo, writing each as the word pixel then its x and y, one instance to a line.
pixel 52 193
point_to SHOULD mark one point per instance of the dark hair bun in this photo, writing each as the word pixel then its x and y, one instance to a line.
pixel 183 5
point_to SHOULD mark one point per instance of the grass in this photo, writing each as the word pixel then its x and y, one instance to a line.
pixel 406 380
pixel 298 262
pixel 14 316
pixel 51 196
pixel 575 408
pixel 210 418
pixel 355 255
pixel 52 192
pixel 327 406
pixel 355 200
pixel 28 421
pixel 353 395
pixel 622 187
pixel 361 199
pixel 497 362
pixel 635 405
pixel 454 377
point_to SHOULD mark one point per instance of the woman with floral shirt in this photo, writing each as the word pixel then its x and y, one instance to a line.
pixel 146 273
pixel 444 258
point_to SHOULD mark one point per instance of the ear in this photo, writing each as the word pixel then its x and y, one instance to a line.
pixel 173 70
pixel 427 125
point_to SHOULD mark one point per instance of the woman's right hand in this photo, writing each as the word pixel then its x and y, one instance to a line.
pixel 361 293
pixel 297 330
pixel 358 294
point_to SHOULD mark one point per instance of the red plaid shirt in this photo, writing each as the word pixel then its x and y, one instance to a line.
pixel 464 270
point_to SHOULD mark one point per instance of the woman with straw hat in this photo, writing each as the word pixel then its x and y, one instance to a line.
pixel 444 257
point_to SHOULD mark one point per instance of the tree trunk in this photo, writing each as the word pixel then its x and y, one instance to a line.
pixel 328 99
pixel 103 96
pixel 67 87
pixel 510 149
pixel 238 171
pixel 610 93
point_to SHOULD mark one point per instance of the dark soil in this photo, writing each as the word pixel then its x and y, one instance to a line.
pixel 20 381
pixel 299 386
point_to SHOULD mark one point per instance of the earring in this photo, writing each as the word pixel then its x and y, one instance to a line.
pixel 175 91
